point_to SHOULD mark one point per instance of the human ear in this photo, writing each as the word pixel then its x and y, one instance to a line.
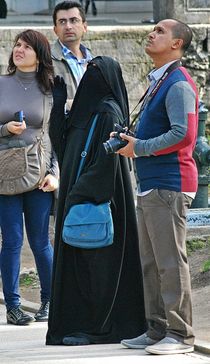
pixel 177 43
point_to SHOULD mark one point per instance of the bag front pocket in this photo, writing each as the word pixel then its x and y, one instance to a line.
pixel 13 163
pixel 21 169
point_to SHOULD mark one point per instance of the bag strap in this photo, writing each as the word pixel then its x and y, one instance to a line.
pixel 87 144
pixel 47 105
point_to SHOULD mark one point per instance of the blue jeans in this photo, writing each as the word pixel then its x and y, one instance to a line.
pixel 36 206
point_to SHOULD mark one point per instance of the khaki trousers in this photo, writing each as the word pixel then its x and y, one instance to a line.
pixel 167 287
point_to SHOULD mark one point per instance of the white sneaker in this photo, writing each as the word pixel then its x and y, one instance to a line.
pixel 169 345
pixel 140 342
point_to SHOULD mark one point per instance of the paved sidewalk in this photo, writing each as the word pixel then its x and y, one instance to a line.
pixel 26 344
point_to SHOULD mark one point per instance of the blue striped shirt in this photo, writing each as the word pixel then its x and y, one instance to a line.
pixel 78 66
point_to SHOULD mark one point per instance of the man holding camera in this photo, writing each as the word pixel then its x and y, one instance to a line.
pixel 166 175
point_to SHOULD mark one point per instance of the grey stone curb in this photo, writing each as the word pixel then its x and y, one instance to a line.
pixel 200 346
pixel 25 305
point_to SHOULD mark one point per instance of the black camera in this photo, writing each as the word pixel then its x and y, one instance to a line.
pixel 115 143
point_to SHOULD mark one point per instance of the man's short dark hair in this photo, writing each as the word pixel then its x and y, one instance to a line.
pixel 182 31
pixel 66 5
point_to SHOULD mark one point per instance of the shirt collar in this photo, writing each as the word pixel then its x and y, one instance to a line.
pixel 157 73
pixel 67 51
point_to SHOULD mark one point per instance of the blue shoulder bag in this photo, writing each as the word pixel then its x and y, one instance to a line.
pixel 87 225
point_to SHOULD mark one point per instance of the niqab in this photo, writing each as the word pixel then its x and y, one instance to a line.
pixel 109 84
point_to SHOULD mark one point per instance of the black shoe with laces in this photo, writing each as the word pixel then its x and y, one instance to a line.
pixel 16 316
pixel 43 312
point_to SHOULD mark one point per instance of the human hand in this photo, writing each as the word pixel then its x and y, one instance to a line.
pixel 128 150
pixel 16 127
pixel 49 183
pixel 59 91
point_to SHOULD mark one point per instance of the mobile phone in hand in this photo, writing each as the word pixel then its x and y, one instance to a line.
pixel 19 116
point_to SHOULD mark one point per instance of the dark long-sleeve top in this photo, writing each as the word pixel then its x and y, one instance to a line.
pixel 100 169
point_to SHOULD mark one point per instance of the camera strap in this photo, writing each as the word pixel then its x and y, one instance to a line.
pixel 147 98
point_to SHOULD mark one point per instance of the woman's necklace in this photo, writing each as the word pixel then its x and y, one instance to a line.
pixel 25 86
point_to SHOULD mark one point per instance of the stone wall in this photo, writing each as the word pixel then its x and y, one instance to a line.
pixel 126 44
pixel 190 11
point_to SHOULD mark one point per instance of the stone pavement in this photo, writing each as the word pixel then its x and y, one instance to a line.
pixel 26 344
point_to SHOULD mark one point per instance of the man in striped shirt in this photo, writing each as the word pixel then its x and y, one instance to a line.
pixel 69 56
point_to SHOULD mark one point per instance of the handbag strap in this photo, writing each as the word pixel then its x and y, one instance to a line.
pixel 87 144
pixel 47 106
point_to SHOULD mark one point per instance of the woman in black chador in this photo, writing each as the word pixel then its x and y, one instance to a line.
pixel 97 294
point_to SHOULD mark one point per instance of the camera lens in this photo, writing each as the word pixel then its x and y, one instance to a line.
pixel 108 147
pixel 114 144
